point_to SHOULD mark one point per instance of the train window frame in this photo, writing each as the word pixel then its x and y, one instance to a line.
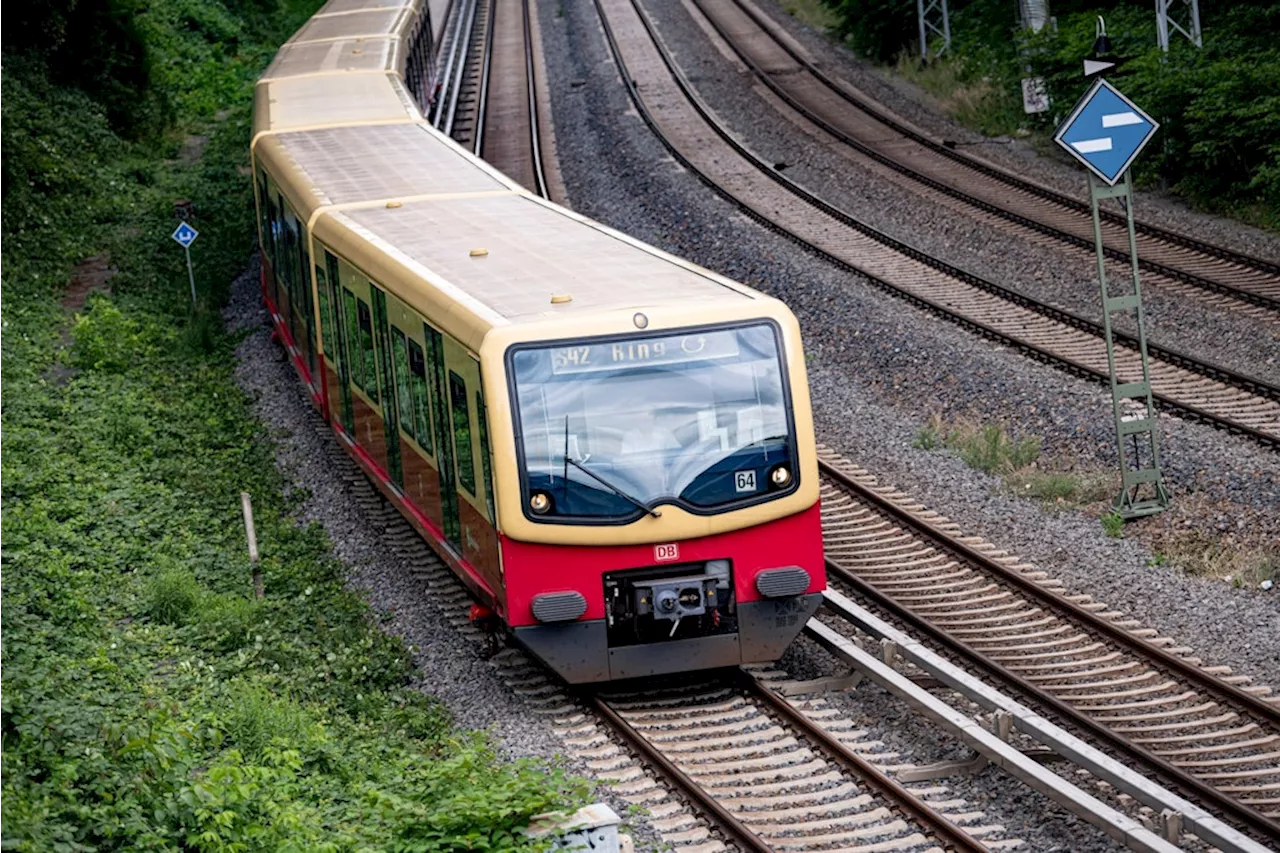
pixel 354 357
pixel 368 350
pixel 630 518
pixel 402 380
pixel 486 463
pixel 421 397
pixel 459 405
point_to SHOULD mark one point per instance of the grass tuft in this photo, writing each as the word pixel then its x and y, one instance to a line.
pixel 173 595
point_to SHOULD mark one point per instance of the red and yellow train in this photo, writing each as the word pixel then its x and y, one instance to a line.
pixel 613 448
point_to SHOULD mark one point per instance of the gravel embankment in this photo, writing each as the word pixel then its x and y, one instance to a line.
pixel 879 368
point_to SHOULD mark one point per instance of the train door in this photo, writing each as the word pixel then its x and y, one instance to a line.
pixel 417 438
pixel 309 305
pixel 354 294
pixel 444 437
pixel 271 247
pixel 333 342
pixel 390 431
pixel 265 218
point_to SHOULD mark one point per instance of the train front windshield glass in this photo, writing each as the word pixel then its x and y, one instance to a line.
pixel 697 419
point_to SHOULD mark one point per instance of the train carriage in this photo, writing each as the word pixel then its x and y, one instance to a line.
pixel 612 447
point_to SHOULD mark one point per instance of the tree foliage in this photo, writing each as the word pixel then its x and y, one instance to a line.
pixel 1219 106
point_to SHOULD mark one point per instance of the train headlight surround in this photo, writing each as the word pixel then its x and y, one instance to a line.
pixel 540 503
pixel 780 477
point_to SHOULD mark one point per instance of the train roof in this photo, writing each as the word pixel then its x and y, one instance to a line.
pixel 512 252
pixel 358 54
pixel 444 231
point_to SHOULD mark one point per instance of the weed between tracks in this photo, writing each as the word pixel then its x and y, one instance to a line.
pixel 1016 459
pixel 149 701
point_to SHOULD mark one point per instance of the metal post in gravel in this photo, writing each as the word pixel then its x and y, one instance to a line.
pixel 247 505
pixel 1105 132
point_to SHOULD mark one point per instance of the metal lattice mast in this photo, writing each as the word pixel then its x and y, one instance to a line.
pixel 933 19
pixel 1142 490
pixel 1034 14
pixel 1180 15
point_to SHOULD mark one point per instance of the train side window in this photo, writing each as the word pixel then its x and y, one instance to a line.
pixel 404 388
pixel 485 463
pixel 367 351
pixel 353 346
pixel 336 346
pixel 326 319
pixel 462 432
pixel 264 212
pixel 421 406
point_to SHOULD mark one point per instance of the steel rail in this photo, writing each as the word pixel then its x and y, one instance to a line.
pixel 463 50
pixel 736 831
pixel 951 835
pixel 914 174
pixel 1246 702
pixel 455 9
pixel 1187 362
pixel 486 65
pixel 997 750
pixel 1018 182
pixel 535 133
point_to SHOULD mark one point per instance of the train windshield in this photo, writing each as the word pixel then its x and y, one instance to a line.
pixel 612 428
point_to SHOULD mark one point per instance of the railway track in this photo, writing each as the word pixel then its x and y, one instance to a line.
pixel 870 130
pixel 1200 729
pixel 460 105
pixel 755 760
pixel 692 134
pixel 774 779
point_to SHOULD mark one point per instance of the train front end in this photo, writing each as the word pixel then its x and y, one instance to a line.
pixel 660 510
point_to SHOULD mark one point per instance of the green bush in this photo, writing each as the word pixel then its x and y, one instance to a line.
pixel 230 621
pixel 1219 106
pixel 173 595
pixel 105 339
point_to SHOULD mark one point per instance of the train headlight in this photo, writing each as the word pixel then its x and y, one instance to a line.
pixel 780 477
pixel 540 502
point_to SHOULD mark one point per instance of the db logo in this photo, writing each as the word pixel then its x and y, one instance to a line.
pixel 666 553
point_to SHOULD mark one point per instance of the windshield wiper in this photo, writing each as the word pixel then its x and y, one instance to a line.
pixel 593 475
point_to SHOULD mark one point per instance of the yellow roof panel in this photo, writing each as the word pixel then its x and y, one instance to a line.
pixel 375 22
pixel 322 57
pixel 531 250
pixel 356 164
pixel 339 7
pixel 294 103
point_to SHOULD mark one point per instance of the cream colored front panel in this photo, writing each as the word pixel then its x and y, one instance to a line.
pixel 674 524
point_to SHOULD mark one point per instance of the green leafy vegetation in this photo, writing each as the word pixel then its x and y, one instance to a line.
pixel 1113 525
pixel 986 447
pixel 1219 106
pixel 149 701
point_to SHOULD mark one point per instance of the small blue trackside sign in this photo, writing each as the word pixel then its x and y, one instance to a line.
pixel 1106 131
pixel 185 234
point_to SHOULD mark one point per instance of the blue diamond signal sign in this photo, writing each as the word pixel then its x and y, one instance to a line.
pixel 1106 131
pixel 186 235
